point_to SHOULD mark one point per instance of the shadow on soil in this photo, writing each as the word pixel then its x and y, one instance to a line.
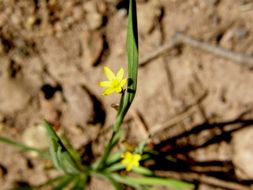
pixel 179 161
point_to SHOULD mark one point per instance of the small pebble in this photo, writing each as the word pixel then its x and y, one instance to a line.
pixel 36 136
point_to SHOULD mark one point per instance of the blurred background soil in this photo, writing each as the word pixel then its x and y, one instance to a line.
pixel 52 54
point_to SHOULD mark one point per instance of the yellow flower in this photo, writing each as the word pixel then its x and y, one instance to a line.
pixel 115 83
pixel 130 160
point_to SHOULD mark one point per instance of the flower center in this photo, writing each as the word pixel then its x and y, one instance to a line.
pixel 115 83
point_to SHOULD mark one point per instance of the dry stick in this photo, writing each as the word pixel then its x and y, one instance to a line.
pixel 234 56
pixel 161 50
pixel 171 122
pixel 142 127
pixel 199 105
pixel 170 79
pixel 180 38
pixel 178 117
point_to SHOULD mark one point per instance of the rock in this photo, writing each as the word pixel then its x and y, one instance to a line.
pixel 35 136
pixel 243 153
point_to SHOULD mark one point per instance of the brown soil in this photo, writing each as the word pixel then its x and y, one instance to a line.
pixel 52 55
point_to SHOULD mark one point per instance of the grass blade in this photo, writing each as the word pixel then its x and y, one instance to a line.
pixel 60 155
pixel 172 183
pixel 132 50
pixel 80 183
pixel 132 54
pixel 64 182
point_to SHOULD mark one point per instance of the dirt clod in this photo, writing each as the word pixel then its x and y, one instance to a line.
pixel 243 153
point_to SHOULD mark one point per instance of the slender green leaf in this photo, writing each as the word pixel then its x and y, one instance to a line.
pixel 80 182
pixel 68 164
pixel 51 182
pixel 64 182
pixel 172 183
pixel 114 157
pixel 60 155
pixel 140 148
pixel 132 52
pixel 74 153
pixel 115 167
pixel 142 170
pixel 53 153
pixel 24 147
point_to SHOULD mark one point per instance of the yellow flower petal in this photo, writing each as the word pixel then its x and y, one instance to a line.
pixel 108 91
pixel 129 167
pixel 130 160
pixel 108 73
pixel 123 82
pixel 118 89
pixel 120 74
pixel 105 83
pixel 136 158
pixel 114 83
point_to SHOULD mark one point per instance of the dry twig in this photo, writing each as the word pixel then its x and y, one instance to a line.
pixel 180 38
pixel 178 117
pixel 142 127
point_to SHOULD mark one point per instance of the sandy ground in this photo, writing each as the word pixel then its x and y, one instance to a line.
pixel 52 55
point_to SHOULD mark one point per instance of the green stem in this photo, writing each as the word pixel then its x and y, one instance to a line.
pixel 128 95
pixel 108 150
pixel 113 140
pixel 115 135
